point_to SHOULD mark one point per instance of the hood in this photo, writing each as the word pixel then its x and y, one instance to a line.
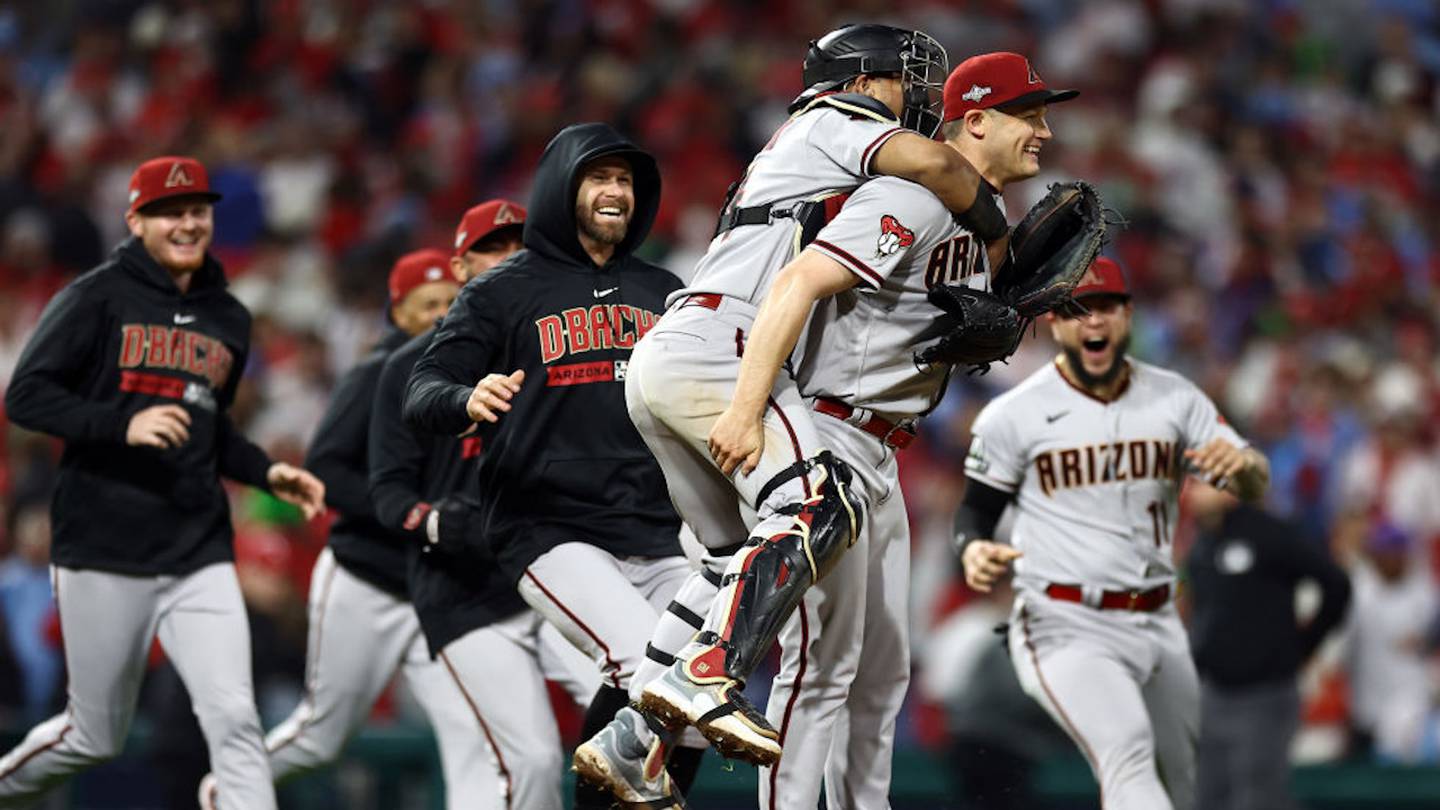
pixel 132 255
pixel 550 228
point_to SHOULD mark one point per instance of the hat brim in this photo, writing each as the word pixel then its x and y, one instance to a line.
pixel 1037 97
pixel 517 227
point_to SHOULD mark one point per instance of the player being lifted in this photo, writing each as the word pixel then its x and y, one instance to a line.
pixel 1092 451
pixel 862 82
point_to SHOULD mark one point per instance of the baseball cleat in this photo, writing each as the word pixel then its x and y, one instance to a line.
pixel 714 704
pixel 628 759
pixel 209 792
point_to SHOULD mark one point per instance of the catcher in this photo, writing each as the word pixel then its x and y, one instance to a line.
pixel 871 270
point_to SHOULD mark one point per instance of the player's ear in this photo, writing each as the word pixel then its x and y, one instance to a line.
pixel 977 122
pixel 133 222
pixel 457 269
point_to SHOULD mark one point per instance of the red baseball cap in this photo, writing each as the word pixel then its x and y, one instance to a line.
pixel 485 219
pixel 170 176
pixel 416 268
pixel 994 80
pixel 1103 278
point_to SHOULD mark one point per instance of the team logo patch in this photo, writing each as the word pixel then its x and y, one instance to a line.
pixel 460 239
pixel 893 236
pixel 505 215
pixel 1032 76
pixel 434 273
pixel 178 176
pixel 975 460
pixel 976 93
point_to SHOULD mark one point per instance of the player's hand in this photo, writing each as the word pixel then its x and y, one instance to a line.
pixel 986 562
pixel 297 486
pixel 161 426
pixel 737 441
pixel 1218 462
pixel 492 396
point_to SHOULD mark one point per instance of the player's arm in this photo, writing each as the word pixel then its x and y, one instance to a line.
pixel 337 454
pixel 42 394
pixel 985 561
pixel 240 459
pixel 948 175
pixel 1219 455
pixel 737 439
pixel 453 386
pixel 397 455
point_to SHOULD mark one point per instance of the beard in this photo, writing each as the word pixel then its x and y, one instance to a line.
pixel 1117 363
pixel 606 233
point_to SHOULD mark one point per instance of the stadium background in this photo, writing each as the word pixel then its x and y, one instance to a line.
pixel 1278 163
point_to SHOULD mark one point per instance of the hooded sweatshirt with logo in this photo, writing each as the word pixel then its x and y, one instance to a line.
pixel 565 463
pixel 117 340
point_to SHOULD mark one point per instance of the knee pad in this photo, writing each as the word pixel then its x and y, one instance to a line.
pixel 775 571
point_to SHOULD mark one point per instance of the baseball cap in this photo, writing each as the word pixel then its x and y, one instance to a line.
pixel 994 80
pixel 170 176
pixel 485 219
pixel 1104 277
pixel 416 268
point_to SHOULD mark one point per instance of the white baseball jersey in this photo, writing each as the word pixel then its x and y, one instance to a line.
pixel 820 151
pixel 899 240
pixel 1096 482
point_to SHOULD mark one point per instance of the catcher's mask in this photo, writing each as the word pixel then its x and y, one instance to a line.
pixel 869 49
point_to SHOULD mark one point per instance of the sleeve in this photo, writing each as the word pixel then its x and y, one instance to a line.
pixel 337 456
pixel 240 459
pixel 43 393
pixel 397 456
pixel 996 457
pixel 853 143
pixel 1203 422
pixel 465 346
pixel 1302 559
pixel 883 225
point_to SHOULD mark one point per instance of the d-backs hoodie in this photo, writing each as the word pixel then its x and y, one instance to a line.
pixel 117 340
pixel 565 463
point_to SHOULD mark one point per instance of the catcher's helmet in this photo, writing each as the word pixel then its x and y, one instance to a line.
pixel 869 49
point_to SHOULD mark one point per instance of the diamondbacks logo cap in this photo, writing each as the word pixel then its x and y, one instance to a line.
pixel 172 176
pixel 1103 278
pixel 416 268
pixel 996 81
pixel 485 219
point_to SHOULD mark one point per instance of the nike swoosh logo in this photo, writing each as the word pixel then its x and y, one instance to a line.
pixel 605 292
pixel 1051 419
pixel 181 320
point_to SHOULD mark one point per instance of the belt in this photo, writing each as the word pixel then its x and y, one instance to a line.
pixel 1143 601
pixel 706 300
pixel 891 434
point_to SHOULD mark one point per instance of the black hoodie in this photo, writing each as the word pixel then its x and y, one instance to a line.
pixel 117 340
pixel 565 463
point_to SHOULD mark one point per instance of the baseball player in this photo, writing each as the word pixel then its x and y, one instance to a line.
pixel 475 624
pixel 361 626
pixel 1091 451
pixel 574 507
pixel 794 502
pixel 134 365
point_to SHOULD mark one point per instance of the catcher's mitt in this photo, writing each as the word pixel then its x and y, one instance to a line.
pixel 981 328
pixel 1051 248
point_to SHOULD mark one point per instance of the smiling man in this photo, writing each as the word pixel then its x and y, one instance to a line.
pixel 1091 451
pixel 134 366
pixel 533 356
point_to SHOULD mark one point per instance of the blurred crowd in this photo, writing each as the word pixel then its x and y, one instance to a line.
pixel 1276 164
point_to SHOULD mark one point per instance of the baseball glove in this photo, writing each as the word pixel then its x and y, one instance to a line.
pixel 1051 249
pixel 980 328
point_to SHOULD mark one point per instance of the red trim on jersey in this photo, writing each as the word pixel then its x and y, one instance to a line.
pixel 874 146
pixel 1119 392
pixel 160 385
pixel 855 266
pixel 484 728
pixel 610 663
pixel 312 662
pixel 790 704
pixel 1064 718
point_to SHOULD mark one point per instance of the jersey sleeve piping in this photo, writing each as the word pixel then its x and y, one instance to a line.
pixel 869 153
pixel 996 483
pixel 868 276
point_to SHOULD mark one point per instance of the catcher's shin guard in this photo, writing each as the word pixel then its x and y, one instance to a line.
pixel 775 571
